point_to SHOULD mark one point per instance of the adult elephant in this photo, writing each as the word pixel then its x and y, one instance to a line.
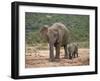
pixel 57 35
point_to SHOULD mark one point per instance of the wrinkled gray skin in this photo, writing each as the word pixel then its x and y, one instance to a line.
pixel 57 35
pixel 72 50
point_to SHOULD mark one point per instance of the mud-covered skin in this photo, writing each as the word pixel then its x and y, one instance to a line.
pixel 57 35
pixel 72 50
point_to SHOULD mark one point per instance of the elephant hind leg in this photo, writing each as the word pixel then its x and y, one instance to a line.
pixel 66 53
pixel 77 54
pixel 74 55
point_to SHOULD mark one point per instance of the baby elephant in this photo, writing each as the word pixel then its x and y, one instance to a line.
pixel 72 50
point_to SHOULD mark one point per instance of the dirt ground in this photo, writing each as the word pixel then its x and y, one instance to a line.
pixel 40 58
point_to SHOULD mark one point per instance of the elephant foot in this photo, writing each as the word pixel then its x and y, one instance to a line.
pixel 57 60
pixel 52 60
pixel 70 58
pixel 65 57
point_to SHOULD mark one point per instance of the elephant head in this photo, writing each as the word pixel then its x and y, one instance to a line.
pixel 51 35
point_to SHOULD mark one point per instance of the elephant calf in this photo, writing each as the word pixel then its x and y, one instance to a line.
pixel 72 50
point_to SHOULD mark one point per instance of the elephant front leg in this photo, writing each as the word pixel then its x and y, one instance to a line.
pixel 51 54
pixel 57 47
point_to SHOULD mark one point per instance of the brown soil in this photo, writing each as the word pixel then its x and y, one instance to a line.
pixel 41 59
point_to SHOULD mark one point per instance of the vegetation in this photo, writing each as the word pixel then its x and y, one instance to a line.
pixel 77 24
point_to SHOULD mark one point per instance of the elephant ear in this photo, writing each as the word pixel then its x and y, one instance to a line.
pixel 44 30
